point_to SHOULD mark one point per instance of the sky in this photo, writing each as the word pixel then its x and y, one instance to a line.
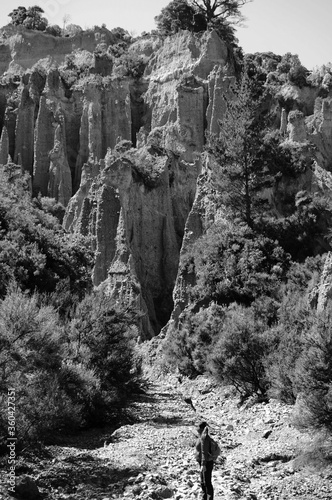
pixel 302 27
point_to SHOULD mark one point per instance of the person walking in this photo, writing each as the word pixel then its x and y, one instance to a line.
pixel 207 450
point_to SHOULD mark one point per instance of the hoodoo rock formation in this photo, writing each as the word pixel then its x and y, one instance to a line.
pixel 21 48
pixel 123 154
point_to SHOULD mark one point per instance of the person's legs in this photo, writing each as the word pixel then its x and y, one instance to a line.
pixel 208 481
pixel 204 497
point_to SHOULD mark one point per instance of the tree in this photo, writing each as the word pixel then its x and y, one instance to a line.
pixel 31 18
pixel 196 16
pixel 225 10
pixel 179 15
pixel 18 15
pixel 237 169
pixel 66 19
pixel 221 16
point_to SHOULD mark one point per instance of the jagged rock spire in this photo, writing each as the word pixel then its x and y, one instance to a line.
pixel 283 122
pixel 59 186
pixel 4 147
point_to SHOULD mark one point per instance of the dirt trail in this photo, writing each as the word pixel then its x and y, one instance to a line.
pixel 154 457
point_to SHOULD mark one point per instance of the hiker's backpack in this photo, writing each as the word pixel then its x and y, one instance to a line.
pixel 215 449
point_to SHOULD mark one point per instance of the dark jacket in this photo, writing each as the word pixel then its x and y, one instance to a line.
pixel 203 450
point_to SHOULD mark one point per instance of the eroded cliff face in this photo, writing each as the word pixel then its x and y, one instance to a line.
pixel 179 92
pixel 21 48
pixel 46 126
pixel 124 155
pixel 308 124
pixel 138 200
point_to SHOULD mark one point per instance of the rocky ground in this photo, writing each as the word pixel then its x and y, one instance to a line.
pixel 264 456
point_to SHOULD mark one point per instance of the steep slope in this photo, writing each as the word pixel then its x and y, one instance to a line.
pixel 22 48
pixel 141 205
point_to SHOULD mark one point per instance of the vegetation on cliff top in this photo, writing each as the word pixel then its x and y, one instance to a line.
pixel 201 15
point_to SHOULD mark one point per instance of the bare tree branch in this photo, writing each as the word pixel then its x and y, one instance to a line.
pixel 222 9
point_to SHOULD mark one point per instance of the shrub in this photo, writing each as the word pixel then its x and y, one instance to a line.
pixel 120 34
pixel 298 76
pixel 286 158
pixel 35 251
pixel 314 376
pixel 303 232
pixel 51 206
pixel 32 347
pixel 321 76
pixel 179 15
pixel 72 30
pixel 239 354
pixel 53 29
pixel 288 61
pixel 129 64
pixel 32 23
pixel 31 18
pixel 295 319
pixel 189 346
pixel 66 375
pixel 235 264
pixel 288 337
pixel 102 337
pixel 225 31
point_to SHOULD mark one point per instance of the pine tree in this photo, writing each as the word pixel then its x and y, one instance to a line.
pixel 238 171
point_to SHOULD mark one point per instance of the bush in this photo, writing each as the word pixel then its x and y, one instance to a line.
pixel 72 30
pixel 288 61
pixel 102 337
pixel 32 347
pixel 31 18
pixel 303 233
pixel 314 376
pixel 179 15
pixel 119 34
pixel 225 31
pixel 129 64
pixel 33 23
pixel 35 251
pixel 51 206
pixel 66 375
pixel 321 76
pixel 240 353
pixel 53 29
pixel 288 337
pixel 298 76
pixel 189 346
pixel 295 318
pixel 235 264
pixel 286 158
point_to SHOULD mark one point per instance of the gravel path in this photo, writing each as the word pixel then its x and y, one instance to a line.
pixel 153 458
